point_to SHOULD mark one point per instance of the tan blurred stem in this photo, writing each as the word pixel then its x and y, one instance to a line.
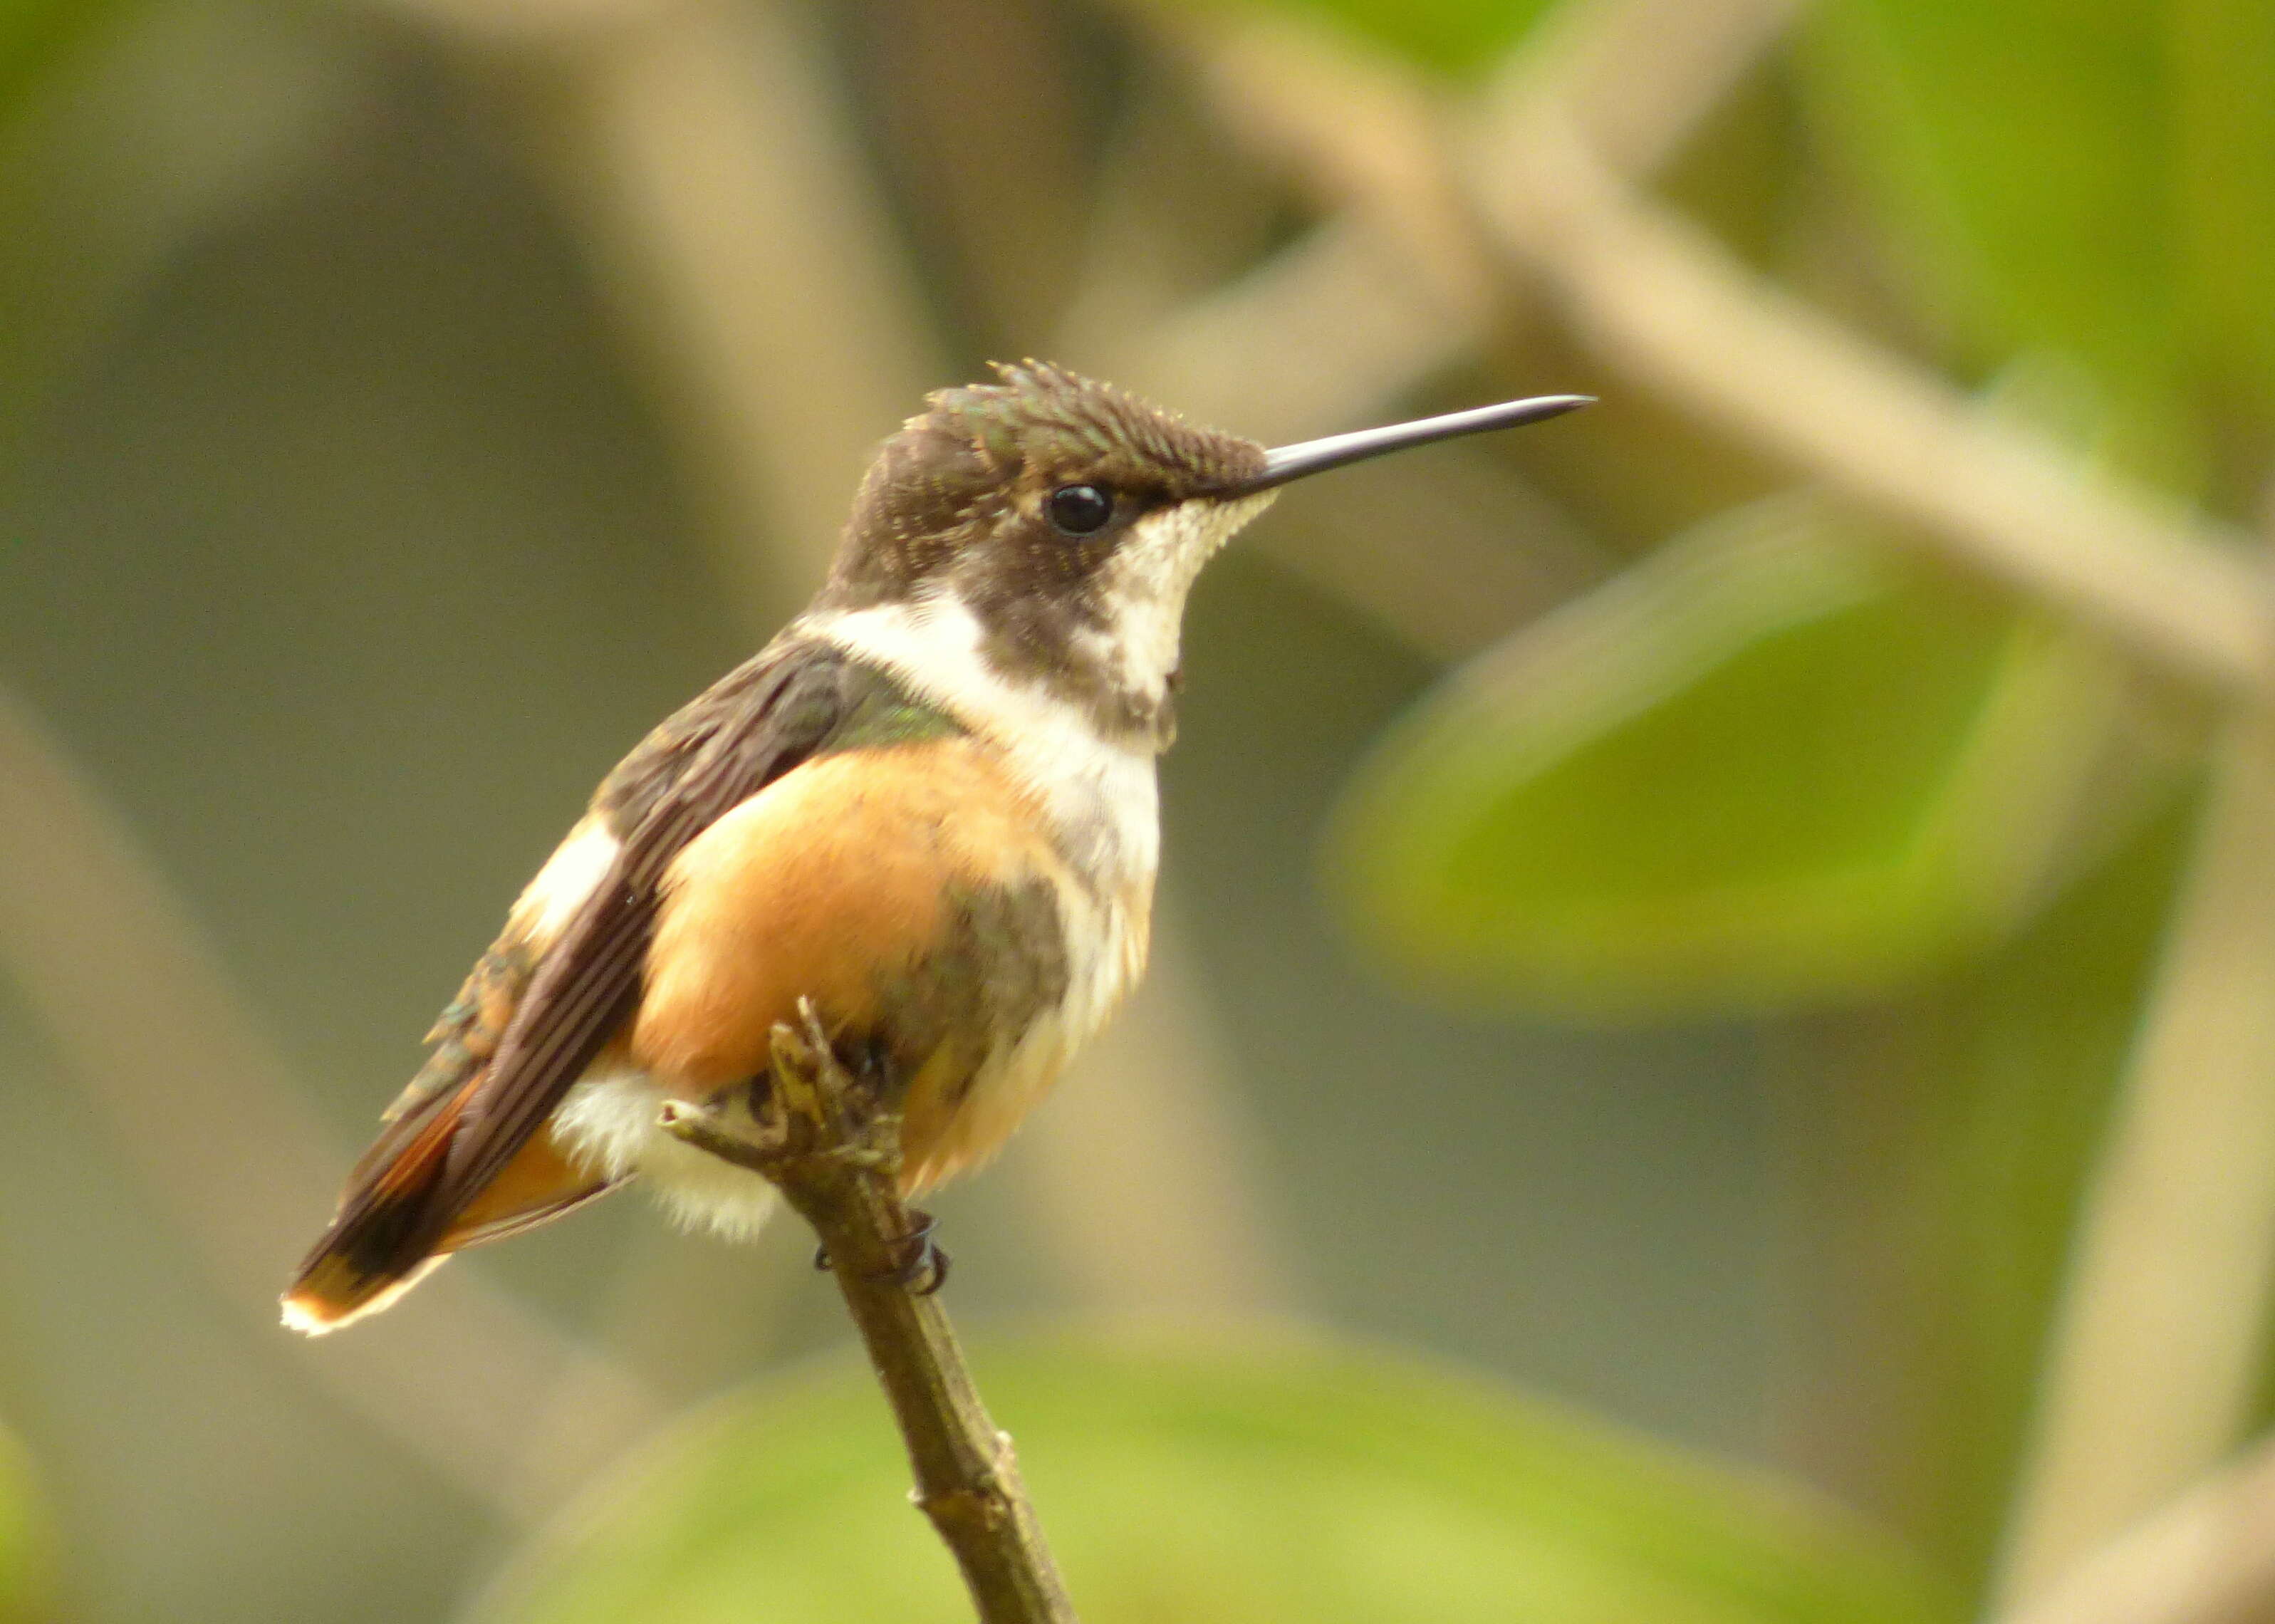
pixel 699 151
pixel 1636 76
pixel 1402 263
pixel 990 145
pixel 835 1153
pixel 2206 1558
pixel 2156 1348
pixel 199 1103
pixel 1659 302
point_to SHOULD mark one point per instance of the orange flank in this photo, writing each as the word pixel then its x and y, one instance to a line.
pixel 833 884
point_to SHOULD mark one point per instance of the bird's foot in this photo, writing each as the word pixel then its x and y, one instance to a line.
pixel 922 1271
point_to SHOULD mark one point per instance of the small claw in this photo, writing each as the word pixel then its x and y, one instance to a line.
pixel 922 1272
pixel 926 1269
pixel 938 1260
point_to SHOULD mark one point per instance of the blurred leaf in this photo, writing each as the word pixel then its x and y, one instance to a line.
pixel 2025 139
pixel 2035 1046
pixel 1261 1483
pixel 1761 769
pixel 1452 36
pixel 2092 177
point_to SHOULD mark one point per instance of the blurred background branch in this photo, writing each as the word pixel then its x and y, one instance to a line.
pixel 2204 1558
pixel 201 1103
pixel 1657 301
pixel 700 153
pixel 2153 1367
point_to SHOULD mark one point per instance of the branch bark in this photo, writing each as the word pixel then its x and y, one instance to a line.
pixel 834 1150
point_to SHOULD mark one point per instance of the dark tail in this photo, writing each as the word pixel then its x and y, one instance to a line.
pixel 394 1227
pixel 386 1234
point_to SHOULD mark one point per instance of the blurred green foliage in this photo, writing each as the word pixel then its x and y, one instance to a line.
pixel 1713 787
pixel 2095 180
pixel 1767 770
pixel 1771 771
pixel 1764 767
pixel 2008 1073
pixel 1274 1485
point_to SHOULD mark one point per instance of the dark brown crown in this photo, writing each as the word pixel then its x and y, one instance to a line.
pixel 985 453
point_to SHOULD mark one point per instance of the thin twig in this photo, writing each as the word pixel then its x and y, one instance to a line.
pixel 834 1150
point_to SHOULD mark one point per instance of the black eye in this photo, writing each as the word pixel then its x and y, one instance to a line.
pixel 1080 510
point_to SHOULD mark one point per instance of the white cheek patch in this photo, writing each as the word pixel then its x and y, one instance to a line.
pixel 1145 582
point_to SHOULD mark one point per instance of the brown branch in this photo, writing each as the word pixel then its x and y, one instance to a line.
pixel 835 1153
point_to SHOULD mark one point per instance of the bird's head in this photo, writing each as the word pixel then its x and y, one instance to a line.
pixel 1068 520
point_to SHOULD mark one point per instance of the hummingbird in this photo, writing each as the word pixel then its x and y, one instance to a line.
pixel 928 806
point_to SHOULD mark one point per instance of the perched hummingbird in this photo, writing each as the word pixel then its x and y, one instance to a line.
pixel 928 805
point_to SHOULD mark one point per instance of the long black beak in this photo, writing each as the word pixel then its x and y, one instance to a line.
pixel 1293 462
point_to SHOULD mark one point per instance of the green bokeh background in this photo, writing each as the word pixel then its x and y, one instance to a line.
pixel 1685 1005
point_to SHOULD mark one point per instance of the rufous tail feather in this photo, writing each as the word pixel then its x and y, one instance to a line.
pixel 392 1228
pixel 381 1243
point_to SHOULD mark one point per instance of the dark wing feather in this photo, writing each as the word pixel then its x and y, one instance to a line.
pixel 757 723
